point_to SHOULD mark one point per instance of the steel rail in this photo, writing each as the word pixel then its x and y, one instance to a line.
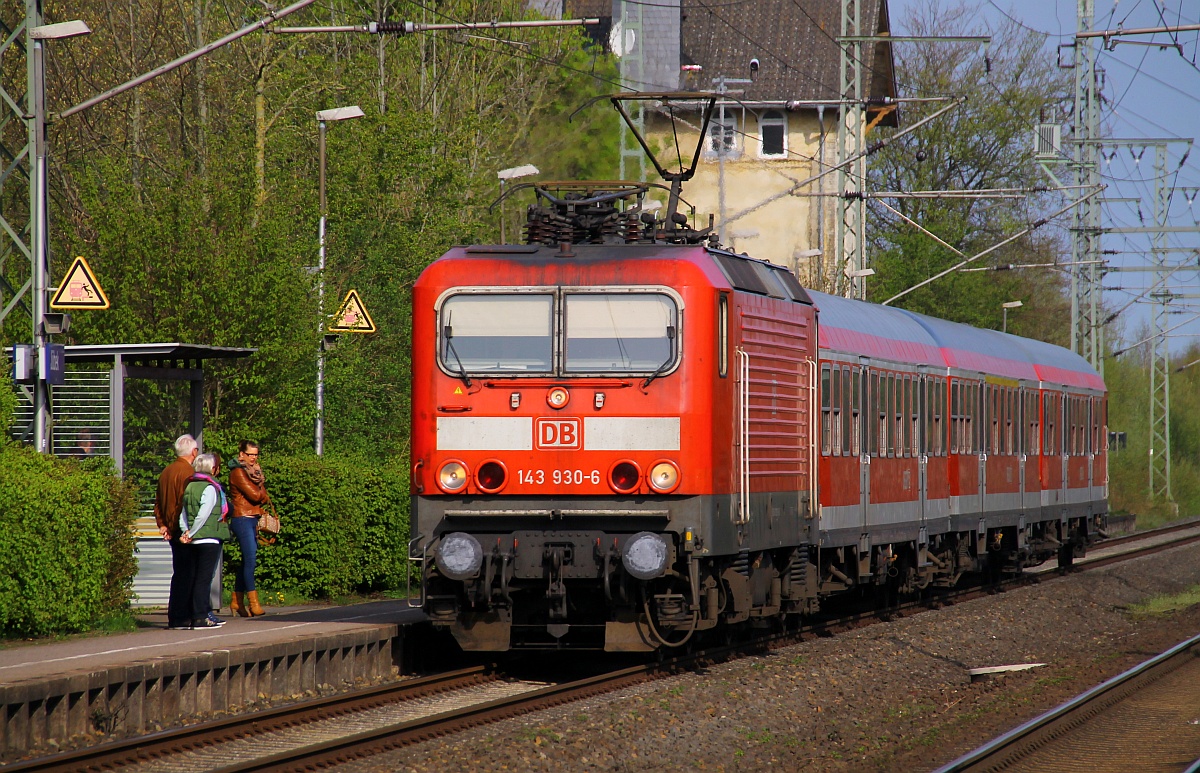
pixel 1061 720
pixel 129 751
pixel 165 743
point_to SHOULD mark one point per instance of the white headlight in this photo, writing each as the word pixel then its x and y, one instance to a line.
pixel 459 555
pixel 645 555
pixel 452 477
pixel 664 476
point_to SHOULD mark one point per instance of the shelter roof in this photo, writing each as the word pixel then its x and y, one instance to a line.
pixel 141 353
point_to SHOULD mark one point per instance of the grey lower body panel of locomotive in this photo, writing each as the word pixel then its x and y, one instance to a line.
pixel 640 573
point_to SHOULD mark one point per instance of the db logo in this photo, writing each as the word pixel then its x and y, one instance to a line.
pixel 557 433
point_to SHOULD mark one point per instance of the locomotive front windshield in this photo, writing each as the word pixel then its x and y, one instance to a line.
pixel 626 333
pixel 565 332
pixel 496 332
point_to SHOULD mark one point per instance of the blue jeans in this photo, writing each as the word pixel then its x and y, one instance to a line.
pixel 245 529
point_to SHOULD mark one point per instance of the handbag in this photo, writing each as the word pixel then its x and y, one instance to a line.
pixel 268 524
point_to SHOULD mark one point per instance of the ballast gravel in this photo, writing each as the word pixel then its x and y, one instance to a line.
pixel 894 696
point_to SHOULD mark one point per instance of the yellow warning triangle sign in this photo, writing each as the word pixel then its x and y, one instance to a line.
pixel 352 317
pixel 79 290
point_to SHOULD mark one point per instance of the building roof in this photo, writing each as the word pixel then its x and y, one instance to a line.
pixel 794 42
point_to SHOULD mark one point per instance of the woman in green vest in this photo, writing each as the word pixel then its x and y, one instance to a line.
pixel 204 525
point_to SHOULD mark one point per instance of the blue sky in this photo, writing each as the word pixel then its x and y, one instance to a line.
pixel 1150 92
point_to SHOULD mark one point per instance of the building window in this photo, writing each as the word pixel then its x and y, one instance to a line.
pixel 772 128
pixel 723 136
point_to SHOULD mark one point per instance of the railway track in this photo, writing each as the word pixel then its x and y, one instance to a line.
pixel 1147 718
pixel 326 731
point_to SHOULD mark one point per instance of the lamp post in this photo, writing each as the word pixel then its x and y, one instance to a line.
pixel 1006 307
pixel 505 175
pixel 323 117
pixel 39 240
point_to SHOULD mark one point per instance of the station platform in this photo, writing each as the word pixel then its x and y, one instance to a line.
pixel 62 692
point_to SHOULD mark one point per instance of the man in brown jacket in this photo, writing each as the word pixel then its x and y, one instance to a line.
pixel 168 503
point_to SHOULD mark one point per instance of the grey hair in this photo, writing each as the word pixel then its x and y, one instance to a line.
pixel 205 463
pixel 184 445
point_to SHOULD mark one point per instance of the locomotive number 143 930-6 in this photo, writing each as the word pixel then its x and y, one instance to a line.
pixel 559 477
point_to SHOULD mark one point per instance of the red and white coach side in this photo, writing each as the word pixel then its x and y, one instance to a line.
pixel 945 439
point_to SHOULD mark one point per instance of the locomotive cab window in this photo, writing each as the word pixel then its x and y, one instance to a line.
pixel 497 332
pixel 619 333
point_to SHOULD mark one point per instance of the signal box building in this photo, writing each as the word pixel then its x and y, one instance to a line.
pixel 780 64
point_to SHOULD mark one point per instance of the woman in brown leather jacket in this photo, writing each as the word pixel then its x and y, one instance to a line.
pixel 247 496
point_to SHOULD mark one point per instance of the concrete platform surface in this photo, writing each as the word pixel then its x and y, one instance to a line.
pixel 89 688
pixel 21 661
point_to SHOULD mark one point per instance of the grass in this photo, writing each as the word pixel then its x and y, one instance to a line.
pixel 1156 606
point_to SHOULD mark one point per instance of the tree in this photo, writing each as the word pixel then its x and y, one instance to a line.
pixel 985 144
pixel 194 197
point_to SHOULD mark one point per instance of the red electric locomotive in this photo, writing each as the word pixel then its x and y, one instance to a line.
pixel 623 435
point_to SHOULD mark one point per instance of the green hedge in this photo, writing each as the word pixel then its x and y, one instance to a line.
pixel 66 543
pixel 345 527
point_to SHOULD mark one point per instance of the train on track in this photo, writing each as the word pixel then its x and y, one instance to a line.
pixel 624 435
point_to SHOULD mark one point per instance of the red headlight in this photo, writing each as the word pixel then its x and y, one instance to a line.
pixel 491 476
pixel 624 477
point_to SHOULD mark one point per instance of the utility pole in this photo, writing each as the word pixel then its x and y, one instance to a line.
pixel 1085 235
pixel 1160 357
pixel 724 143
pixel 1160 296
pixel 633 78
pixel 852 170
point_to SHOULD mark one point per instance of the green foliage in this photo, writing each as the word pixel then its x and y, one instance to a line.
pixel 8 404
pixel 986 143
pixel 344 527
pixel 195 200
pixel 66 543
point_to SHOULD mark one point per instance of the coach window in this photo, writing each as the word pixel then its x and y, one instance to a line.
pixel 825 409
pixel 723 335
pixel 939 417
pixel 772 127
pixel 955 407
pixel 1035 426
pixel 836 439
pixel 893 440
pixel 841 409
pixel 1008 421
pixel 874 415
pixel 1051 422
pixel 497 332
pixel 620 332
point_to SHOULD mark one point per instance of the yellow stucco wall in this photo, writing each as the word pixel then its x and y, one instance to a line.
pixel 778 225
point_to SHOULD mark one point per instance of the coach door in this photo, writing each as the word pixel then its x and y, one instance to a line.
pixel 921 430
pixel 982 424
pixel 868 397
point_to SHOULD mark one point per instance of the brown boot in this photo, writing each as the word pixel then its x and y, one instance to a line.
pixel 252 602
pixel 237 607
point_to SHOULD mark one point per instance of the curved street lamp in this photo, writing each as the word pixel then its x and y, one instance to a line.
pixel 1006 307
pixel 324 117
